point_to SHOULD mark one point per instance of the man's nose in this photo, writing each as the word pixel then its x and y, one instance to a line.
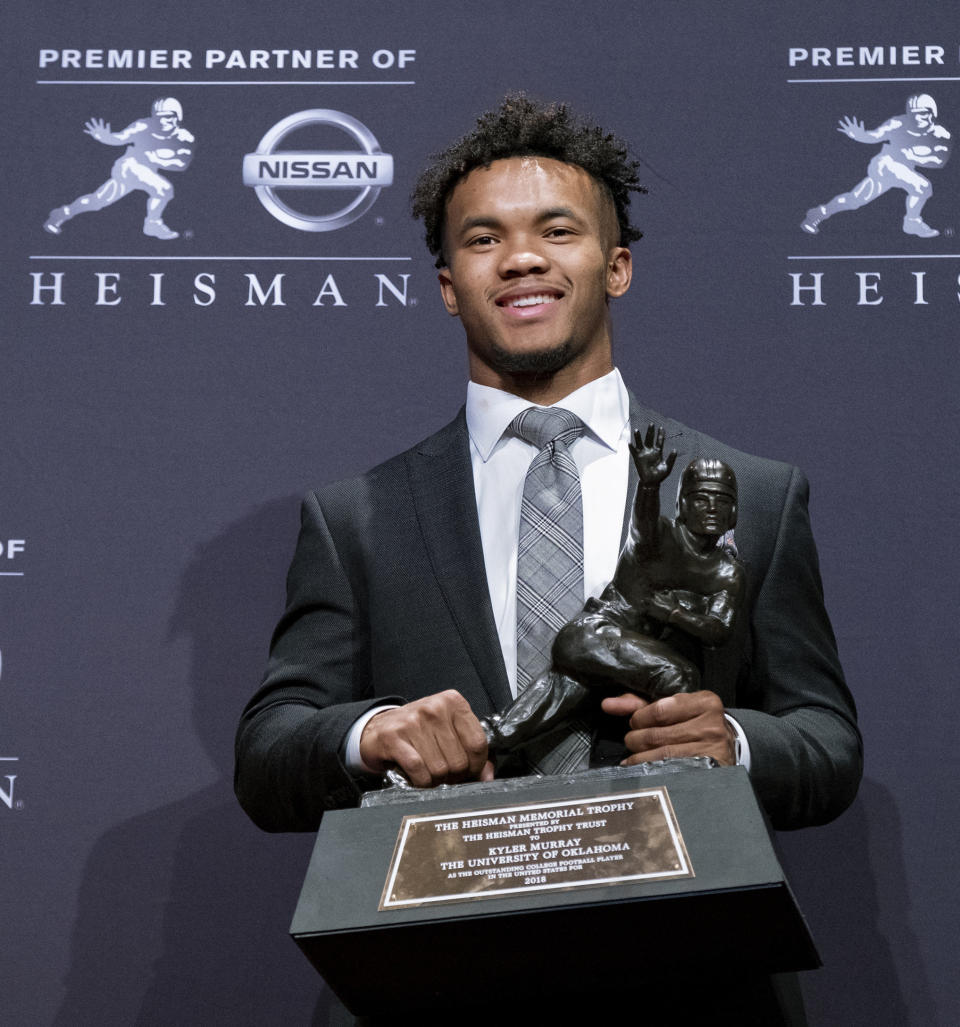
pixel 522 259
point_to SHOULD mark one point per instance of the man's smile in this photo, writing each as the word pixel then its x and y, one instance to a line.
pixel 528 303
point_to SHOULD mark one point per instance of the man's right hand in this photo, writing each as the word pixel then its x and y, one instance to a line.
pixel 434 740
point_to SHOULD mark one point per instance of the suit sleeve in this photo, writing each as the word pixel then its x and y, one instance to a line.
pixel 317 683
pixel 797 712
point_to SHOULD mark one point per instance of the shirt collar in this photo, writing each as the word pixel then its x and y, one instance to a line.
pixel 603 405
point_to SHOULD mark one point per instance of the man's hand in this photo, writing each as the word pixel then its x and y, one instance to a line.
pixel 647 455
pixel 689 724
pixel 435 740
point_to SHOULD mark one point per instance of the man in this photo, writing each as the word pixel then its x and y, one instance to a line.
pixel 401 624
pixel 155 142
pixel 910 140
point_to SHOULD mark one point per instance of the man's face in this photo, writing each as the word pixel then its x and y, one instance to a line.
pixel 709 509
pixel 168 121
pixel 532 255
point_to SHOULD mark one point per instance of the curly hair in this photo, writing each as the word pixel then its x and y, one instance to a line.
pixel 521 127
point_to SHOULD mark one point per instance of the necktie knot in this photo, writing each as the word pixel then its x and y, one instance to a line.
pixel 542 425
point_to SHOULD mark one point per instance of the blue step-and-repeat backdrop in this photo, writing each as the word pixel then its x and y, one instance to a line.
pixel 186 350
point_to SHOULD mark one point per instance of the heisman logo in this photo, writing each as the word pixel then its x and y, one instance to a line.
pixel 909 140
pixel 271 168
pixel 154 142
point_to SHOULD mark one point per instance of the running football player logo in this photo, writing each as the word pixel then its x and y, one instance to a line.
pixel 152 143
pixel 909 141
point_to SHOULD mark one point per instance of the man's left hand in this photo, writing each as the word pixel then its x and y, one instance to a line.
pixel 688 724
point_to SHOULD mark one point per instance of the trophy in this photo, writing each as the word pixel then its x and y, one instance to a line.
pixel 647 850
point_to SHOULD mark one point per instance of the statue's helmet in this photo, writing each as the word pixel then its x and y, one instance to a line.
pixel 704 470
pixel 922 102
pixel 168 105
pixel 707 472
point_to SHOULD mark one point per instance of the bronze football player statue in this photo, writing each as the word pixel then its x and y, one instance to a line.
pixel 676 589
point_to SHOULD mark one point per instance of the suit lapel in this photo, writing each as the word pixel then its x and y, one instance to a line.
pixel 441 482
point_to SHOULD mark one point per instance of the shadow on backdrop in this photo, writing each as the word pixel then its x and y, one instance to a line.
pixel 184 911
pixel 873 974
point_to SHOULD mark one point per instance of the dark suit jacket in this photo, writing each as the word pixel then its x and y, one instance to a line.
pixel 387 600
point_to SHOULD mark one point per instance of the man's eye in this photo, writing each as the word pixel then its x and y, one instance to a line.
pixel 481 240
pixel 559 233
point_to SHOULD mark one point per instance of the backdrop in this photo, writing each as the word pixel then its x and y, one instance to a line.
pixel 167 400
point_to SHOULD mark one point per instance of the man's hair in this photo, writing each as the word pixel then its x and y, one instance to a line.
pixel 521 127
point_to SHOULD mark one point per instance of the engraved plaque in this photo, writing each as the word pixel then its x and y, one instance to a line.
pixel 607 839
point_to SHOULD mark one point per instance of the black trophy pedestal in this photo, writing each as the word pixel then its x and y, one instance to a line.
pixel 450 904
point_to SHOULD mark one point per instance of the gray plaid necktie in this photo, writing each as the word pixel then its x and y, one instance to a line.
pixel 549 568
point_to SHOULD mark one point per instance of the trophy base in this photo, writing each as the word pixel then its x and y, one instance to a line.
pixel 484 896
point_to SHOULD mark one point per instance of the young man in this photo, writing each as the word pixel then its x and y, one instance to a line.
pixel 401 627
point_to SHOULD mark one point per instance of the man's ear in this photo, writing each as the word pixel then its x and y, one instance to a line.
pixel 619 271
pixel 447 292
